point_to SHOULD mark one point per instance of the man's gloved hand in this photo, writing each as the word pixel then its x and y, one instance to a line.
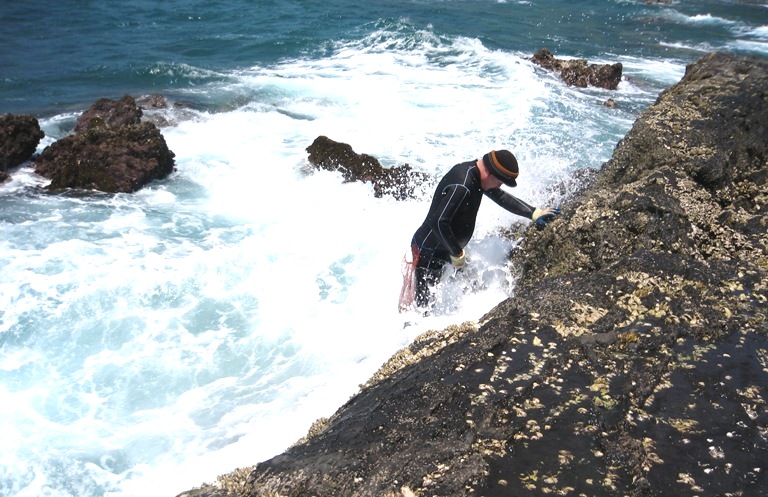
pixel 459 261
pixel 542 216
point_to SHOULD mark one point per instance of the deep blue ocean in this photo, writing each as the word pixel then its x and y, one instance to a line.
pixel 150 342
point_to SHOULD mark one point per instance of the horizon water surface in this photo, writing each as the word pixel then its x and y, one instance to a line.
pixel 150 342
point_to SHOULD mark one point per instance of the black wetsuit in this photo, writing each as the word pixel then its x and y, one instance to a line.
pixel 450 223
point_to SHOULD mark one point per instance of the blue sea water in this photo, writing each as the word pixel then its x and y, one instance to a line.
pixel 150 342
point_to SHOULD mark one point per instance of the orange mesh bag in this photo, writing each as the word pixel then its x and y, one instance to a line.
pixel 408 292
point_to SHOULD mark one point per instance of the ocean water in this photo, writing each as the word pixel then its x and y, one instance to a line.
pixel 150 342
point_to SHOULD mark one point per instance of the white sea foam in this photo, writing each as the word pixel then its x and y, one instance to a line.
pixel 749 46
pixel 698 19
pixel 700 48
pixel 759 32
pixel 748 37
pixel 659 73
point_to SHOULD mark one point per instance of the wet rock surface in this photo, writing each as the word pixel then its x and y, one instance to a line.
pixel 399 182
pixel 632 359
pixel 111 151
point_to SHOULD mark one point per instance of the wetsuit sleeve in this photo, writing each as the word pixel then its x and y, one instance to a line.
pixel 510 203
pixel 451 199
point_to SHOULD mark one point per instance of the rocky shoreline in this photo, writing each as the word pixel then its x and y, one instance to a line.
pixel 632 360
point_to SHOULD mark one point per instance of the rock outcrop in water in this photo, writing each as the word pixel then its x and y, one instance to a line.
pixel 399 182
pixel 577 72
pixel 111 151
pixel 632 360
pixel 19 138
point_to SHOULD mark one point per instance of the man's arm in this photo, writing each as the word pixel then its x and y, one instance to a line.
pixel 510 203
pixel 451 199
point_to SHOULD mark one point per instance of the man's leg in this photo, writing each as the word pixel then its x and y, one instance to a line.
pixel 428 273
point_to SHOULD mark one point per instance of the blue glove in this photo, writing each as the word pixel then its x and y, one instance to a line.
pixel 542 216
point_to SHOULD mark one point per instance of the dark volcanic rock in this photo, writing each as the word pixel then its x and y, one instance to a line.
pixel 19 137
pixel 631 361
pixel 111 151
pixel 108 160
pixel 577 72
pixel 399 182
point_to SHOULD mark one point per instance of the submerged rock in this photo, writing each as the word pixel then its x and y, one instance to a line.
pixel 152 101
pixel 111 151
pixel 632 359
pixel 400 182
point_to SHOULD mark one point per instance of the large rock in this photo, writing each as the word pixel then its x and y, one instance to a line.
pixel 111 151
pixel 400 182
pixel 19 138
pixel 632 359
pixel 577 72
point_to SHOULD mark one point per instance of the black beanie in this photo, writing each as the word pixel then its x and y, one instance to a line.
pixel 503 165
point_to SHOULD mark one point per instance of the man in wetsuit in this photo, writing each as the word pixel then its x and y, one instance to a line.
pixel 450 222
